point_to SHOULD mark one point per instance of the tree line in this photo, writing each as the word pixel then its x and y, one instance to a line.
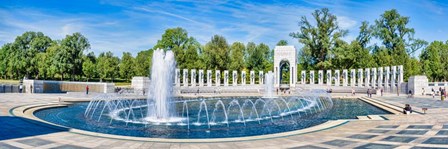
pixel 37 56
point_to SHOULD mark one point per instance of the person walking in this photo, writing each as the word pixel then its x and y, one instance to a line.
pixel 87 90
pixel 20 88
pixel 382 91
pixel 433 93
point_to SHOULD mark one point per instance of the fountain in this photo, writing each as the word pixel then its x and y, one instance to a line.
pixel 163 111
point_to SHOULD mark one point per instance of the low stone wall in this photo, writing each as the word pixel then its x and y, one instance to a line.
pixel 44 86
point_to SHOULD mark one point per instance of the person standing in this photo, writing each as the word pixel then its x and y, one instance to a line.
pixel 382 91
pixel 20 88
pixel 87 90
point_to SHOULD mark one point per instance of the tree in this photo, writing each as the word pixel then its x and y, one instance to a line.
pixel 74 46
pixel 107 66
pixel 432 61
pixel 365 34
pixel 177 40
pixel 26 47
pixel 392 29
pixel 4 59
pixel 127 66
pixel 143 63
pixel 282 43
pixel 416 44
pixel 237 56
pixel 319 40
pixel 258 57
pixel 216 53
pixel 89 68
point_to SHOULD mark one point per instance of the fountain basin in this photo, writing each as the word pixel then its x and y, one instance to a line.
pixel 73 116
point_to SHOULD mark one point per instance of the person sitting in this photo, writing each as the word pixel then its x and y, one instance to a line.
pixel 407 109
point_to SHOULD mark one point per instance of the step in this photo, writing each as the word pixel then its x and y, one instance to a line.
pixel 363 117
pixel 393 111
pixel 375 117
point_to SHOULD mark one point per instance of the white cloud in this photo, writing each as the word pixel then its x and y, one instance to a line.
pixel 346 23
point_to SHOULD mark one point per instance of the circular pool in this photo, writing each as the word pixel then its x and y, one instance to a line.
pixel 198 118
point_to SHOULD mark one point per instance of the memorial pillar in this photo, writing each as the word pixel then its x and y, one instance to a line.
pixel 185 77
pixel 337 78
pixel 193 77
pixel 201 78
pixel 209 78
pixel 394 78
pixel 235 78
pixel 320 77
pixel 252 77
pixel 226 78
pixel 387 84
pixel 360 79
pixel 380 77
pixel 367 77
pixel 344 77
pixel 243 77
pixel 218 78
pixel 177 81
pixel 353 77
pixel 373 77
pixel 312 77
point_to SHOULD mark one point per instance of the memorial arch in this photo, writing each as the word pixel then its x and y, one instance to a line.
pixel 285 56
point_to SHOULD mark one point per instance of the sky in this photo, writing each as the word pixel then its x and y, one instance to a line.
pixel 132 26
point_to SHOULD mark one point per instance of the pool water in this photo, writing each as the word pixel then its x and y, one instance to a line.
pixel 73 116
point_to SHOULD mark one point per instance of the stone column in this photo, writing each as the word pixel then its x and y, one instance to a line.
pixel 303 77
pixel 344 77
pixel 380 77
pixel 252 77
pixel 312 77
pixel 373 78
pixel 320 77
pixel 400 74
pixel 209 78
pixel 367 77
pixel 260 77
pixel 185 77
pixel 201 77
pixel 393 78
pixel 337 78
pixel 360 80
pixel 235 78
pixel 193 77
pixel 328 77
pixel 352 77
pixel 243 77
pixel 226 78
pixel 387 78
pixel 218 78
pixel 177 81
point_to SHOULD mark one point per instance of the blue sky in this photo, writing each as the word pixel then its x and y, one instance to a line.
pixel 120 26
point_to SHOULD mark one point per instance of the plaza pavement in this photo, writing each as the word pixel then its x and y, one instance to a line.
pixel 400 131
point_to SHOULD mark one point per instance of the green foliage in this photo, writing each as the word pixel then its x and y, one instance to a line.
pixel 107 66
pixel 319 40
pixel 433 62
pixel 216 53
pixel 126 66
pixel 89 68
pixel 143 63
pixel 237 56
pixel 282 43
